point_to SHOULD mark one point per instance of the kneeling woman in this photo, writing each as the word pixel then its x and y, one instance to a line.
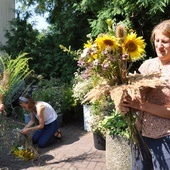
pixel 47 117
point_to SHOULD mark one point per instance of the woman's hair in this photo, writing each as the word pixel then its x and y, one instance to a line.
pixel 28 100
pixel 163 27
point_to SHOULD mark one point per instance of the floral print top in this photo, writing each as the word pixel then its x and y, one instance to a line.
pixel 150 125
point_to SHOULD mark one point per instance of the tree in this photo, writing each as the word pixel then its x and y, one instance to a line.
pixel 72 20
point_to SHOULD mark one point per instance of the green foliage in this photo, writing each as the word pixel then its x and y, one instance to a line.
pixel 21 37
pixel 86 17
pixel 57 94
pixel 47 58
pixel 141 15
pixel 99 110
pixel 14 71
pixel 50 92
pixel 116 125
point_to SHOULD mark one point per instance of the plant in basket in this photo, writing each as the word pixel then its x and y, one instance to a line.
pixel 22 147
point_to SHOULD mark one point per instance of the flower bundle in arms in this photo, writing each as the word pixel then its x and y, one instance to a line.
pixel 109 57
pixel 109 54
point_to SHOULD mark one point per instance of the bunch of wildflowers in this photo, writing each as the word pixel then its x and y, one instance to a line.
pixel 108 55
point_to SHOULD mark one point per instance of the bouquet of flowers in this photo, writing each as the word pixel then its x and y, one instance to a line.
pixel 108 54
pixel 109 57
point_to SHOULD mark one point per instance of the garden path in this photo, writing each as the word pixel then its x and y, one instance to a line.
pixel 76 151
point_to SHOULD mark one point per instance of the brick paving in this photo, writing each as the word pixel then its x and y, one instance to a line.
pixel 76 151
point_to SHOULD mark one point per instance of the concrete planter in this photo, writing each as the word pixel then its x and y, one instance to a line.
pixel 118 153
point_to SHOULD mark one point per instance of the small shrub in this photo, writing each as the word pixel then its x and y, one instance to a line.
pixel 58 94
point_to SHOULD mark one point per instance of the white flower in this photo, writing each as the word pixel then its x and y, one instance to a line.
pixel 85 52
pixel 96 62
pixel 20 147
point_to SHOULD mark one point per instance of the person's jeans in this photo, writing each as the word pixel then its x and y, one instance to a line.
pixel 157 158
pixel 44 136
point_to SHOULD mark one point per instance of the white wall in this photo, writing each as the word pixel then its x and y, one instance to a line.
pixel 7 13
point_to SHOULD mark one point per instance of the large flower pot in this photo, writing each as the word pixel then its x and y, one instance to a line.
pixel 118 153
pixel 99 141
pixel 86 117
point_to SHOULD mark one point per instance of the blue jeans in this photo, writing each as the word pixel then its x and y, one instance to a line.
pixel 156 158
pixel 44 136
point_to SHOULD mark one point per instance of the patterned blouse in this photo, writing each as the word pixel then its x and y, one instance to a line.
pixel 150 125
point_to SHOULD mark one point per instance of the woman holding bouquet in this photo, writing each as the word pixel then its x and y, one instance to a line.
pixel 153 122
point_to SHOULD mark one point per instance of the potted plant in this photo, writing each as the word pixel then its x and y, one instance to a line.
pixel 93 113
pixel 81 86
pixel 118 150
pixel 99 110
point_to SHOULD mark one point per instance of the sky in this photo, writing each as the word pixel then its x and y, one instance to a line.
pixel 40 20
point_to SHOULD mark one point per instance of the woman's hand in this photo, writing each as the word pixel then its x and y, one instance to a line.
pixel 26 131
pixel 128 103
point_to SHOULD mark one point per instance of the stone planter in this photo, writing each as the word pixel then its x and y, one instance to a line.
pixel 118 153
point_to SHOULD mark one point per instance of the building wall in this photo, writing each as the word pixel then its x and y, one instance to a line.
pixel 7 13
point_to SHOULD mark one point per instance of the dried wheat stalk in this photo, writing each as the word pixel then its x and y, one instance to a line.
pixel 135 82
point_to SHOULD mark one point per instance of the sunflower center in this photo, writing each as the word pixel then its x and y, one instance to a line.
pixel 108 42
pixel 131 46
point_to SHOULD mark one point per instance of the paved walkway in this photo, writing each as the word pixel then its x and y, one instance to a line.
pixel 75 152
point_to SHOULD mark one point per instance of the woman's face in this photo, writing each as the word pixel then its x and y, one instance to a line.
pixel 24 106
pixel 162 47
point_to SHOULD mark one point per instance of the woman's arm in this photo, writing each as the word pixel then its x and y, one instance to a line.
pixel 31 122
pixel 40 110
pixel 158 110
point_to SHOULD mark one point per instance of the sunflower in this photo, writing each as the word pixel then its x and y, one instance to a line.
pixel 134 46
pixel 106 41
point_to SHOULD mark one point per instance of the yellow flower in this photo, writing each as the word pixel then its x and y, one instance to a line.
pixel 19 153
pixel 88 44
pixel 104 41
pixel 134 46
pixel 92 58
pixel 28 155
